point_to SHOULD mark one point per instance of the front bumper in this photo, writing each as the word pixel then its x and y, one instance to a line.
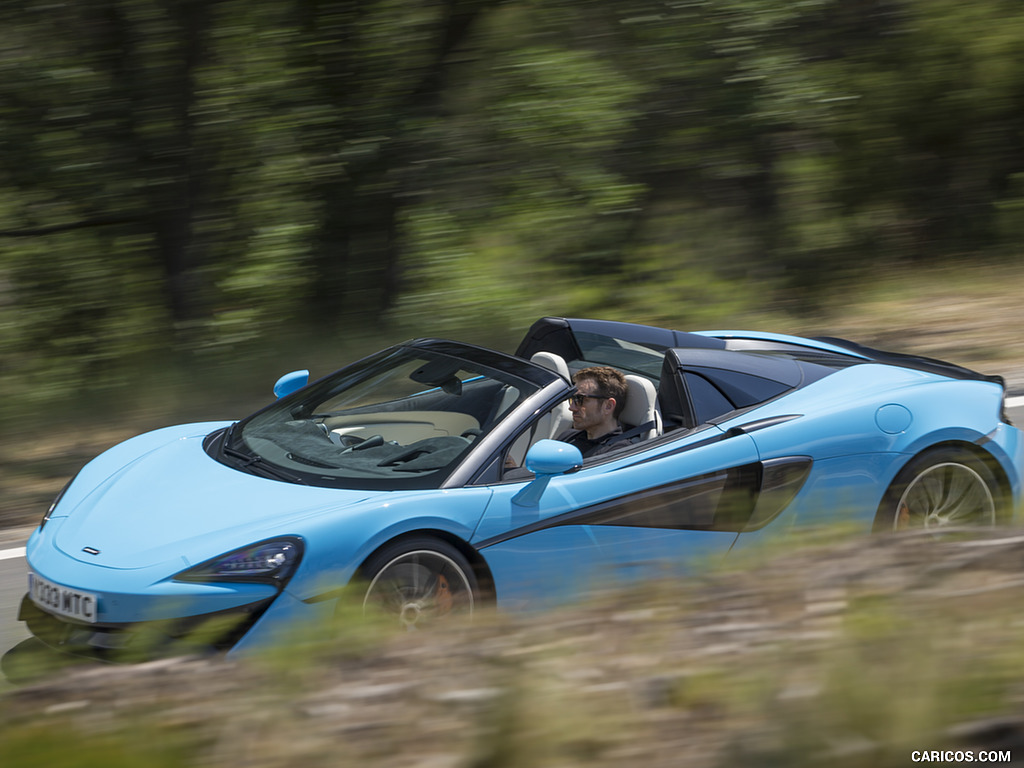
pixel 142 641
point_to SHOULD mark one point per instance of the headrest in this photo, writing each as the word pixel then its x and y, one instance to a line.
pixel 640 402
pixel 553 363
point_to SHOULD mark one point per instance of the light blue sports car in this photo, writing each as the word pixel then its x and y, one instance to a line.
pixel 425 480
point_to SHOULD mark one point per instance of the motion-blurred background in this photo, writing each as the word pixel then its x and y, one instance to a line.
pixel 196 195
pixel 199 195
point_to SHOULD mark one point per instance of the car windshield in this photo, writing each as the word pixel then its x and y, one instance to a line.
pixel 403 418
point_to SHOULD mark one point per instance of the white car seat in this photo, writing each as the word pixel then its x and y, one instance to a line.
pixel 560 418
pixel 641 407
pixel 551 424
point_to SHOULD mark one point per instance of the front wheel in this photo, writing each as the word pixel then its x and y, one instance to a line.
pixel 942 488
pixel 420 582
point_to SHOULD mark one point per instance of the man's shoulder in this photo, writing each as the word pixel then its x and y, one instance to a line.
pixel 612 437
pixel 607 442
pixel 569 435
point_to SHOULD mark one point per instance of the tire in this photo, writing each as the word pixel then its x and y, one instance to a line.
pixel 941 488
pixel 420 582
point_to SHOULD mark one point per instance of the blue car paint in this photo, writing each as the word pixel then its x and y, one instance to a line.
pixel 569 557
pixel 290 382
pixel 158 504
pixel 141 515
pixel 330 561
pixel 848 426
pixel 220 509
pixel 141 594
pixel 839 490
pixel 95 472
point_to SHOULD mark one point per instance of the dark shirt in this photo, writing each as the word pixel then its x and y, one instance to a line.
pixel 588 447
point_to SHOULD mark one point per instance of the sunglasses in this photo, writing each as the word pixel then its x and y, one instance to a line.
pixel 578 398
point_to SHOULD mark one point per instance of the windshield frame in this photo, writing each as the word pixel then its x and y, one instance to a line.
pixel 245 447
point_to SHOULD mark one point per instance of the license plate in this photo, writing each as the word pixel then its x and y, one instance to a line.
pixel 62 601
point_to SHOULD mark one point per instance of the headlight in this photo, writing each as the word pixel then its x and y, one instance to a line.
pixel 54 503
pixel 268 561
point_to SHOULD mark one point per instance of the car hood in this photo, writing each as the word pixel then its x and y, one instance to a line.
pixel 175 502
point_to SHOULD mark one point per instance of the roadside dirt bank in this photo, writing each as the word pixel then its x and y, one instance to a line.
pixel 848 653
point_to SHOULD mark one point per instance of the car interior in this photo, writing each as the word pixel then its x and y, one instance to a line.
pixel 676 380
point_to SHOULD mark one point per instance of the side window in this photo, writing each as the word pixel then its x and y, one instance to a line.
pixel 708 401
pixel 548 425
pixel 745 389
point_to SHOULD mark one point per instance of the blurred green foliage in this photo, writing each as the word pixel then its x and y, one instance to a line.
pixel 34 746
pixel 188 178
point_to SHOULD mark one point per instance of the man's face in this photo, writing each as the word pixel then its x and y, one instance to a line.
pixel 591 411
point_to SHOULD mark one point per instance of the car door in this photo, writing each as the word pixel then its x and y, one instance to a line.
pixel 659 509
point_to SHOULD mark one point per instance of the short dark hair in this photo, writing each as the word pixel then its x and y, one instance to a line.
pixel 610 383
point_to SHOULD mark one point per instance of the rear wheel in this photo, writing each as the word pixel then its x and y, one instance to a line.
pixel 942 488
pixel 419 583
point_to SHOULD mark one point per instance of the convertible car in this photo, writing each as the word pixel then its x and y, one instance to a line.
pixel 424 481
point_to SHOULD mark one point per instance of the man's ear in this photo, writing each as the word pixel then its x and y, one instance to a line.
pixel 610 402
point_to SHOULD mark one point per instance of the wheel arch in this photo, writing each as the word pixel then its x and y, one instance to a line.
pixel 1005 501
pixel 1004 504
pixel 485 580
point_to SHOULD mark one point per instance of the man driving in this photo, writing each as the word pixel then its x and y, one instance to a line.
pixel 595 408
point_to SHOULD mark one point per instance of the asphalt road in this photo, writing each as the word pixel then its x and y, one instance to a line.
pixel 12 586
pixel 13 580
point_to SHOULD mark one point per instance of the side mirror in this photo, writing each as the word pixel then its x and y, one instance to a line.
pixel 553 457
pixel 546 459
pixel 290 382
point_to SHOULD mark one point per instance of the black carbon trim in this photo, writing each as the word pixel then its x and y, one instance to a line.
pixel 759 424
pixel 142 641
pixel 717 436
pixel 742 498
pixel 717 501
pixel 914 362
